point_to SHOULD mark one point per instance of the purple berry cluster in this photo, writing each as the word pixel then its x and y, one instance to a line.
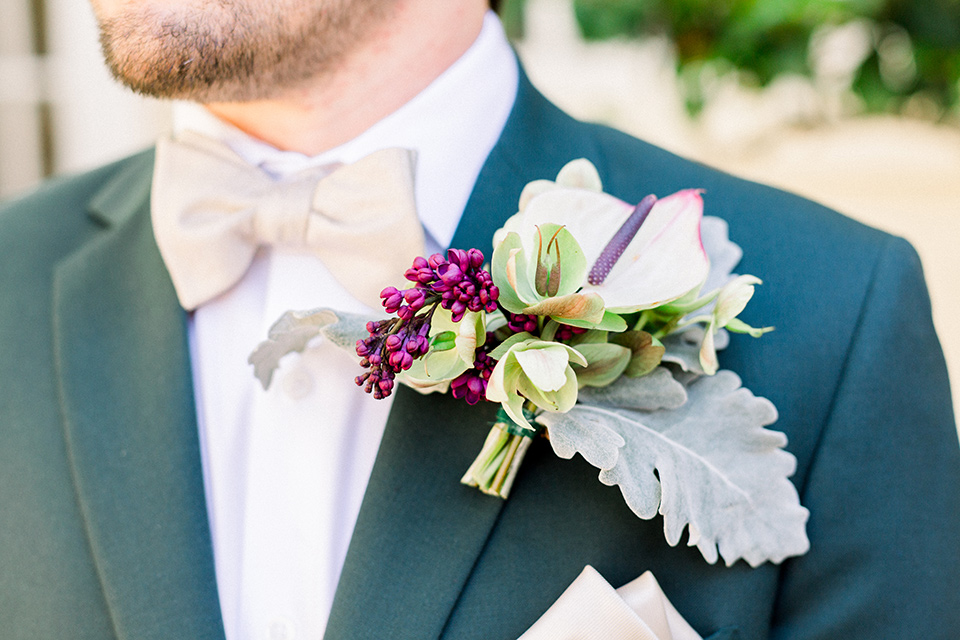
pixel 471 385
pixel 566 332
pixel 519 322
pixel 391 347
pixel 459 280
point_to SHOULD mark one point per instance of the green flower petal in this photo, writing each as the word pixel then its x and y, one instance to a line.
pixel 708 351
pixel 503 380
pixel 572 264
pixel 580 309
pixel 506 345
pixel 733 298
pixel 739 326
pixel 544 366
pixel 605 363
pixel 567 395
pixel 509 298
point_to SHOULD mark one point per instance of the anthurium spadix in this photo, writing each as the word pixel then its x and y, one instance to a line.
pixel 606 254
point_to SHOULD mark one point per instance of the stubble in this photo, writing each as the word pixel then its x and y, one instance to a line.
pixel 233 50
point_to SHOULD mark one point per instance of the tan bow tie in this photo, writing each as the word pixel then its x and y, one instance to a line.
pixel 211 211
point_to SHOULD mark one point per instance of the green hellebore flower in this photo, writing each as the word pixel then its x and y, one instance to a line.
pixel 536 370
pixel 541 274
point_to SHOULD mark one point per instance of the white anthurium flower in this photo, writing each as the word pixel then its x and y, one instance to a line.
pixel 453 350
pixel 576 174
pixel 536 370
pixel 637 256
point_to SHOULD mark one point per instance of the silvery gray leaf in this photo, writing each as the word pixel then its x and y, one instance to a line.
pixel 586 433
pixel 723 253
pixel 348 328
pixel 656 390
pixel 295 329
pixel 681 376
pixel 708 466
pixel 683 347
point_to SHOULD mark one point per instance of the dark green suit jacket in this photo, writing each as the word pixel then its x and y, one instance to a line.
pixel 103 527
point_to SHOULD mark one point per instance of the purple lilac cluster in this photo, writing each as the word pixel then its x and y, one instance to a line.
pixel 459 280
pixel 457 283
pixel 471 385
pixel 391 347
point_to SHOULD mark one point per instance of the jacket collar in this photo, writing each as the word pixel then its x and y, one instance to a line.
pixel 127 404
pixel 537 140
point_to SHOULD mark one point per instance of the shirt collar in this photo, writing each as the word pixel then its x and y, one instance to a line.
pixel 452 125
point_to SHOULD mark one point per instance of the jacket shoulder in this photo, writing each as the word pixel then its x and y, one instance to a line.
pixel 60 204
pixel 39 229
pixel 636 168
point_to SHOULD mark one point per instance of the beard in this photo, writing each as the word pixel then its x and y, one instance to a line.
pixel 232 50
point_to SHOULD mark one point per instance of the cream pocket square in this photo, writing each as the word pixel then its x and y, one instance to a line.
pixel 591 609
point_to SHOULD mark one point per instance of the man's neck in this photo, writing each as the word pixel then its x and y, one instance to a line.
pixel 398 61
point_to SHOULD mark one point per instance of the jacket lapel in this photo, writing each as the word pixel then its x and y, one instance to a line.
pixel 133 437
pixel 536 142
pixel 420 532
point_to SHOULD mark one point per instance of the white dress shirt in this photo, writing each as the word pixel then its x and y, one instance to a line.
pixel 285 469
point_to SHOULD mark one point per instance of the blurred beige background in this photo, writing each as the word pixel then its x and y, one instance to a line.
pixel 60 112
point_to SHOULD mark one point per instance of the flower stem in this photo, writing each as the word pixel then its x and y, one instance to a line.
pixel 499 480
pixel 495 469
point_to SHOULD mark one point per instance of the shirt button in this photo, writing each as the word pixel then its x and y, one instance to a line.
pixel 298 383
pixel 281 630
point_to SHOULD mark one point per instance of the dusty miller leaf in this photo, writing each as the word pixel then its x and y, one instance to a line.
pixel 720 472
pixel 723 253
pixel 656 390
pixel 295 329
pixel 348 328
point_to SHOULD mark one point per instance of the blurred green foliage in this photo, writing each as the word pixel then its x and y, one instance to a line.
pixel 915 48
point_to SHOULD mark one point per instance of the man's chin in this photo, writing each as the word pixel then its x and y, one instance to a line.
pixel 179 87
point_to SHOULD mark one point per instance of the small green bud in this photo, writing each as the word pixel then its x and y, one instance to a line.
pixel 443 341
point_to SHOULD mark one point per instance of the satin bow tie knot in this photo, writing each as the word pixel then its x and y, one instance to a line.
pixel 211 211
pixel 282 215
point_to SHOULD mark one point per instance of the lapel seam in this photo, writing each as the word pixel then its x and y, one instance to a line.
pixel 473 568
pixel 65 422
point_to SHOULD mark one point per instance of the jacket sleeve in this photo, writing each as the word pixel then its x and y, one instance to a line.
pixel 884 485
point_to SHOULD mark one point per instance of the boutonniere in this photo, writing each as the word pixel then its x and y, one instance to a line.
pixel 596 325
